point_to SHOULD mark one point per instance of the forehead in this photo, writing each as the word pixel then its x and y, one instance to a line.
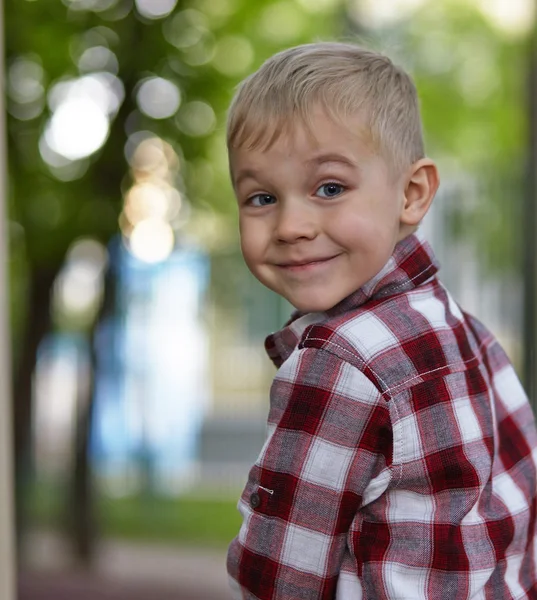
pixel 304 139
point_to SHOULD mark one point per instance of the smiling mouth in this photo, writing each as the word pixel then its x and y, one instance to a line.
pixel 306 265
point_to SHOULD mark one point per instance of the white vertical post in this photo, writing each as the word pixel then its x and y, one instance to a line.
pixel 7 553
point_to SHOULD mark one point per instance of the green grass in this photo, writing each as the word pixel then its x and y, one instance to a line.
pixel 189 519
pixel 184 520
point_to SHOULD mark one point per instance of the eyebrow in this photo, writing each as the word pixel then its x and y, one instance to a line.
pixel 245 174
pixel 316 161
pixel 322 159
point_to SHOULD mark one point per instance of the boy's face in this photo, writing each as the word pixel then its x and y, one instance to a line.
pixel 319 215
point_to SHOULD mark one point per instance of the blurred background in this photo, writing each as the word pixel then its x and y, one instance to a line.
pixel 140 384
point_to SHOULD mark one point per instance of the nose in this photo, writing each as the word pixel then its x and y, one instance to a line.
pixel 295 222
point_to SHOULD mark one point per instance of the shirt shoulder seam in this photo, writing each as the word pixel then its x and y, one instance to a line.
pixel 396 389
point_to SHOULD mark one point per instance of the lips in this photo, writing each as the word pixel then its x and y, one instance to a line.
pixel 305 263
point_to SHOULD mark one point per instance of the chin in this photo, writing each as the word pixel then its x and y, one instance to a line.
pixel 313 306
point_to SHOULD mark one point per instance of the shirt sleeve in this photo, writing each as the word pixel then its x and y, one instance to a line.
pixel 328 447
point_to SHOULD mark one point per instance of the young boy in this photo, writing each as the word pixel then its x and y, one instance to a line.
pixel 401 454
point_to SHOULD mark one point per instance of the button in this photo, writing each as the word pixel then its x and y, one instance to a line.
pixel 255 500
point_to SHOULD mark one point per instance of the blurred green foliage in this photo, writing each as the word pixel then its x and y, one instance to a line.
pixel 204 47
pixel 471 77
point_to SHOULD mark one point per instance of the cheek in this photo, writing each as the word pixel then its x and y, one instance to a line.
pixel 251 241
pixel 356 230
pixel 368 225
pixel 246 247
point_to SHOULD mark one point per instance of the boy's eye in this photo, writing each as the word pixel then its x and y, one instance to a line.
pixel 261 200
pixel 330 190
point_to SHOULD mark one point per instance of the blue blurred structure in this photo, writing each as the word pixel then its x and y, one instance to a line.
pixel 152 380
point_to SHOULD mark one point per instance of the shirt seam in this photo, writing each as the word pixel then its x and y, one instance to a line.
pixel 356 356
pixel 427 268
pixel 389 390
pixel 391 467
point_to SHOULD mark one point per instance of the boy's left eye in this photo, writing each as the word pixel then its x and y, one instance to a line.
pixel 330 190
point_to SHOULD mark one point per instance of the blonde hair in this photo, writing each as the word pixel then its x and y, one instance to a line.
pixel 344 80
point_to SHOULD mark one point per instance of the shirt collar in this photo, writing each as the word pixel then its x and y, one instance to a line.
pixel 411 264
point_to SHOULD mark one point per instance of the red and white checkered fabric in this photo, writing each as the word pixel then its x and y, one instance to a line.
pixel 401 455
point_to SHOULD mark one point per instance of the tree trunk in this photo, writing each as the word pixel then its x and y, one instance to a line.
pixel 37 326
pixel 81 510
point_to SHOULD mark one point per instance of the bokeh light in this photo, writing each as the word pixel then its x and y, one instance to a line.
pixel 79 125
pixel 77 129
pixel 25 88
pixel 98 58
pixel 79 286
pixel 77 289
pixel 103 89
pixel 512 17
pixel 155 9
pixel 233 55
pixel 96 36
pixel 152 240
pixel 196 119
pixel 153 203
pixel 93 5
pixel 150 200
pixel 25 79
pixel 200 53
pixel 152 157
pixel 186 28
pixel 158 98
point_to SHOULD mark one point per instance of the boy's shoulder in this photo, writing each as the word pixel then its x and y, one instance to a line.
pixel 404 339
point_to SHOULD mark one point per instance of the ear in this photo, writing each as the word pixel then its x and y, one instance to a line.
pixel 422 183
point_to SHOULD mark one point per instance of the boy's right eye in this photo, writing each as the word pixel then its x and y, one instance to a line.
pixel 261 200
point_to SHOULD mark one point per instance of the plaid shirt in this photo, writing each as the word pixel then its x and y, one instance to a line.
pixel 401 454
